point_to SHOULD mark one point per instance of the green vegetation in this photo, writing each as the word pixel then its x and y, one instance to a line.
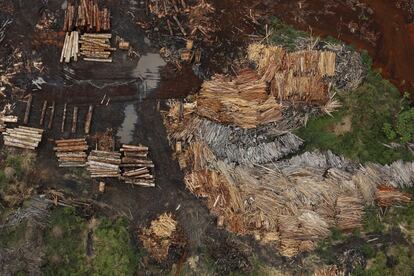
pixel 13 236
pixel 397 260
pixel 285 35
pixel 372 108
pixel 114 252
pixel 377 113
pixel 66 243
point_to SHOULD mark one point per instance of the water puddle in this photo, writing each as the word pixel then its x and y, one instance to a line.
pixel 126 131
pixel 148 69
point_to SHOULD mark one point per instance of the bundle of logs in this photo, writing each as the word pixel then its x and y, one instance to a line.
pixel 4 119
pixel 70 47
pixel 23 137
pixel 137 166
pixel 96 47
pixel 71 153
pixel 104 164
pixel 86 15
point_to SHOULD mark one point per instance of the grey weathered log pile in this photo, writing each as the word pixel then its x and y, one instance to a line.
pixel 137 167
pixel 71 153
pixel 104 164
pixel 23 137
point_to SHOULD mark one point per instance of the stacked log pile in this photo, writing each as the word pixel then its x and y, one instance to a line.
pixel 104 164
pixel 23 137
pixel 137 167
pixel 96 47
pixel 71 152
pixel 241 101
pixel 5 119
pixel 296 76
pixel 70 48
pixel 86 15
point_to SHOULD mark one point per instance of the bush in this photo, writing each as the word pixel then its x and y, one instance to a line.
pixel 114 252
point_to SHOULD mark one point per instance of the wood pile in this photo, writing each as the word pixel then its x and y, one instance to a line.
pixel 388 196
pixel 23 137
pixel 70 48
pixel 241 101
pixel 137 167
pixel 163 8
pixel 71 152
pixel 96 47
pixel 158 238
pixel 104 164
pixel 296 76
pixel 86 15
pixel 5 119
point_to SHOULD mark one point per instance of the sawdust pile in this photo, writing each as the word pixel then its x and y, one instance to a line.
pixel 158 238
pixel 296 76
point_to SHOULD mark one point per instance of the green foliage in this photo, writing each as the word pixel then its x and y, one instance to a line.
pixel 113 249
pixel 389 131
pixel 12 236
pixel 65 244
pixel 405 125
pixel 3 180
pixel 285 35
pixel 372 222
pixel 372 107
pixel 397 261
pixel 15 161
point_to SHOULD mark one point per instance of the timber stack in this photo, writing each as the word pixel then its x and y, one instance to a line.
pixel 84 22
pixel 104 164
pixel 71 153
pixel 96 47
pixel 87 16
pixel 4 119
pixel 70 47
pixel 137 167
pixel 23 137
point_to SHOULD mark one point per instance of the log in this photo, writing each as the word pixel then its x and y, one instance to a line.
pixel 91 35
pixel 62 55
pixel 62 128
pixel 88 119
pixel 42 115
pixel 18 145
pixel 28 108
pixel 52 114
pixel 179 25
pixel 20 141
pixel 30 129
pixel 22 137
pixel 133 147
pixel 74 119
pixel 70 148
pixel 24 132
pixel 98 60
pixel 65 141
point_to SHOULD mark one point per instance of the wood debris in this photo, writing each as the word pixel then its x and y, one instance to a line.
pixel 23 137
pixel 388 196
pixel 137 167
pixel 241 101
pixel 71 152
pixel 296 76
pixel 158 238
pixel 104 164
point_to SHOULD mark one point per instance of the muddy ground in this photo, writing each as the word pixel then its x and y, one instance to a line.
pixel 127 92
